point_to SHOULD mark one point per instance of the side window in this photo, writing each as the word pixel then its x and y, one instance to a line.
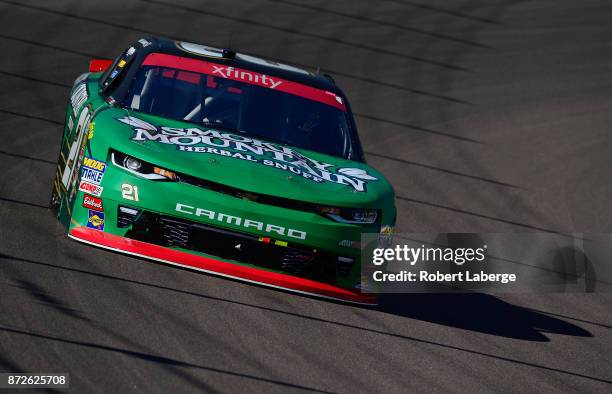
pixel 104 77
pixel 117 71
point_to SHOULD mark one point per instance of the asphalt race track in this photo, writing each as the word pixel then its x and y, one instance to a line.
pixel 487 116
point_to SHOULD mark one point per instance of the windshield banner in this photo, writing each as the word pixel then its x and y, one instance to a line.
pixel 246 76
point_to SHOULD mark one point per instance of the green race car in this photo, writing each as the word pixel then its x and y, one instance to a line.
pixel 221 162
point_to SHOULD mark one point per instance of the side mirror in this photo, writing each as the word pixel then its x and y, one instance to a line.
pixel 97 65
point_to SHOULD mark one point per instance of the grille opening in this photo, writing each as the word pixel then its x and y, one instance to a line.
pixel 233 245
pixel 344 265
pixel 126 216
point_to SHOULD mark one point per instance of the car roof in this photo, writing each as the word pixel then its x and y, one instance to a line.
pixel 240 60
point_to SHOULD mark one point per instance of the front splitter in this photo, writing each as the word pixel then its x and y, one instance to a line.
pixel 217 267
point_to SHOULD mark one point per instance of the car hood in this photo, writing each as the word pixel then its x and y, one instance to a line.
pixel 241 160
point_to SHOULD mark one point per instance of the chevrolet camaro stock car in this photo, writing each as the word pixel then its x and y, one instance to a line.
pixel 222 162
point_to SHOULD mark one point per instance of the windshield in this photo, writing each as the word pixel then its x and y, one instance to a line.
pixel 312 119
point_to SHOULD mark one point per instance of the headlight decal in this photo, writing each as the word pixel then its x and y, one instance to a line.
pixel 142 168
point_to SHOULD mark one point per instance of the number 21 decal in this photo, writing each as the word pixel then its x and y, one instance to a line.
pixel 129 192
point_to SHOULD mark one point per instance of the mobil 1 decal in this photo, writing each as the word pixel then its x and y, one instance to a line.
pixel 264 153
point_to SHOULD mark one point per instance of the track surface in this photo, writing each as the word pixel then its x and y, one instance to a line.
pixel 485 115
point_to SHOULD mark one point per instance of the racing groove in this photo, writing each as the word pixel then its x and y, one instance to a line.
pixel 485 115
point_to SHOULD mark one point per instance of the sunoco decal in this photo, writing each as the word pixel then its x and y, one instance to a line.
pixel 257 151
pixel 95 220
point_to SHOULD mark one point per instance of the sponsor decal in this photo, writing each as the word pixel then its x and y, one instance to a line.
pixel 90 188
pixel 230 72
pixel 96 220
pixel 78 97
pixel 144 42
pixel 385 238
pixel 387 230
pixel 92 202
pixel 93 170
pixel 90 134
pixel 70 173
pixel 94 164
pixel 93 176
pixel 246 76
pixel 268 154
pixel 240 222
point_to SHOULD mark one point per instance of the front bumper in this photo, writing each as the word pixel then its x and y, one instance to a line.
pixel 218 267
pixel 199 221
